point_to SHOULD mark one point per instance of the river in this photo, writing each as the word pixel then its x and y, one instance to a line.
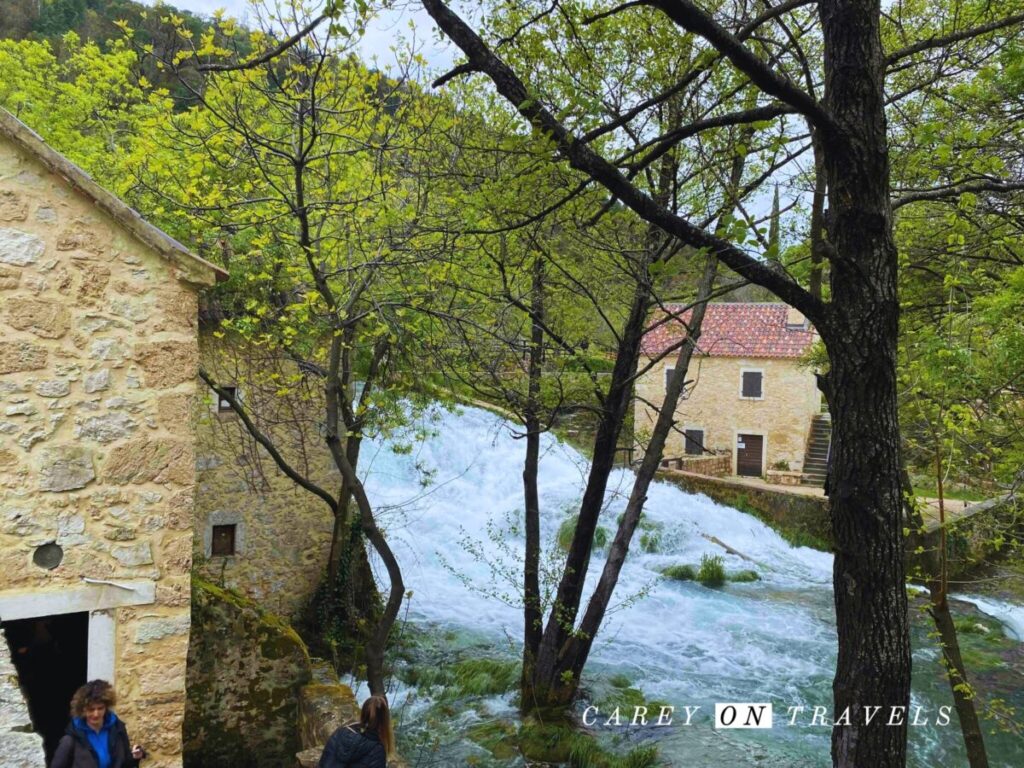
pixel 451 507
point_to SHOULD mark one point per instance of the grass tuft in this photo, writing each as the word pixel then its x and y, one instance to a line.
pixel 712 571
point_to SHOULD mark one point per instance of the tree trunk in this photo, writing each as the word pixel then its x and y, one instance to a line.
pixel 932 567
pixel 963 696
pixel 579 645
pixel 533 618
pixel 377 637
pixel 860 332
pixel 546 685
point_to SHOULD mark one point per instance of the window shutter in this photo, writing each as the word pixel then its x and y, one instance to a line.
pixel 223 540
pixel 693 442
pixel 752 384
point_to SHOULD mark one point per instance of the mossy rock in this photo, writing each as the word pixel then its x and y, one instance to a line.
pixel 546 742
pixel 682 572
pixel 650 541
pixel 585 752
pixel 471 677
pixel 245 669
pixel 619 681
pixel 744 576
pixel 568 529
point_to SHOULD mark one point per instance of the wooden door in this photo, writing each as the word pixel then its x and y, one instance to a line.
pixel 749 449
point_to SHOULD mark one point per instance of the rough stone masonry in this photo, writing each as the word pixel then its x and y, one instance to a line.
pixel 98 357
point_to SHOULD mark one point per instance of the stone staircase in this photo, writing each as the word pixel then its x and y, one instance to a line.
pixel 816 457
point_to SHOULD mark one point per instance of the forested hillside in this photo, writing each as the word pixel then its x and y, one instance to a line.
pixel 98 21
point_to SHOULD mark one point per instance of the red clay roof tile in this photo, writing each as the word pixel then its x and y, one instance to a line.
pixel 733 330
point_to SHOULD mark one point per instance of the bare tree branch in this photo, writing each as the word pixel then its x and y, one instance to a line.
pixel 938 41
pixel 944 193
pixel 694 19
pixel 273 53
pixel 267 443
pixel 583 158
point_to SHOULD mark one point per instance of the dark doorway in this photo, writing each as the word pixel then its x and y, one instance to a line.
pixel 749 449
pixel 50 654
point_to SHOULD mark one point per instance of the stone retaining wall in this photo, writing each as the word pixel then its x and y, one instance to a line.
pixel 976 535
pixel 714 466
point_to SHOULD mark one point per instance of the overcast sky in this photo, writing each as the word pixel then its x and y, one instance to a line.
pixel 380 38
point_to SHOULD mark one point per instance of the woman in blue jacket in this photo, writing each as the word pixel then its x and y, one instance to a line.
pixel 96 738
pixel 370 743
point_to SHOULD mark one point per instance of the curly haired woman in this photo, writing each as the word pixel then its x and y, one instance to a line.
pixel 96 738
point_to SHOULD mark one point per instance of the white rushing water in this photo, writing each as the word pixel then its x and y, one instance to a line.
pixel 770 640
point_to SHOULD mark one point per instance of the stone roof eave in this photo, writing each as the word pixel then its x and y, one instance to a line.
pixel 194 269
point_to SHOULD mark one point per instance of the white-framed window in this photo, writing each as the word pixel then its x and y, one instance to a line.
pixel 751 384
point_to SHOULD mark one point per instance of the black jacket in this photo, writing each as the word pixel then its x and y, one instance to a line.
pixel 349 747
pixel 74 750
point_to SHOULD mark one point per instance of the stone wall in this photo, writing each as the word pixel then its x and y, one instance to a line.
pixel 19 746
pixel 981 533
pixel 246 668
pixel 98 356
pixel 283 532
pixel 715 466
pixel 783 416
pixel 324 706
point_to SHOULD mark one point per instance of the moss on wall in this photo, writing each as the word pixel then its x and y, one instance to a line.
pixel 245 671
pixel 801 520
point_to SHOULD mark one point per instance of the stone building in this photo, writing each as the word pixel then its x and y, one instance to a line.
pixel 751 398
pixel 257 531
pixel 98 355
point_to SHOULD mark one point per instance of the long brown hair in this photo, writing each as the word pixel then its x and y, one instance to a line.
pixel 376 717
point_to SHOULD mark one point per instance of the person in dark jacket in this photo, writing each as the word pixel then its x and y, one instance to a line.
pixel 96 738
pixel 370 743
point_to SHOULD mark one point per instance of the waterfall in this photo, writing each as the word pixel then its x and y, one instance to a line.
pixel 774 639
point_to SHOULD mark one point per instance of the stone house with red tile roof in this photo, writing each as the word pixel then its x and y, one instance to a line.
pixel 750 397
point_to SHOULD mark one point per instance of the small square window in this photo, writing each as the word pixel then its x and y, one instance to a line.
pixel 223 404
pixel 752 381
pixel 222 542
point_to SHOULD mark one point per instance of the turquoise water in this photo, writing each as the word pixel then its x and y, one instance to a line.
pixel 678 642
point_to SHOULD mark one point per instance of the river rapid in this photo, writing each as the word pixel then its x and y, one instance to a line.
pixel 452 509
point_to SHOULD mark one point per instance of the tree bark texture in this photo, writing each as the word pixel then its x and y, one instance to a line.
pixel 873 666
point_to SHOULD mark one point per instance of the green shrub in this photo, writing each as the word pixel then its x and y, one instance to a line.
pixel 680 572
pixel 712 571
